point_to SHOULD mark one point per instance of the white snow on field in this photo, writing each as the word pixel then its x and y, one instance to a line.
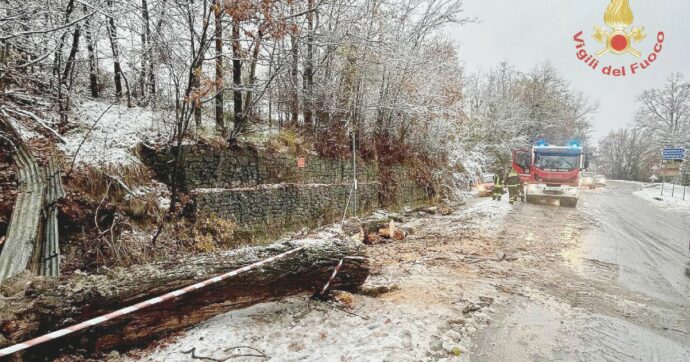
pixel 671 198
pixel 114 136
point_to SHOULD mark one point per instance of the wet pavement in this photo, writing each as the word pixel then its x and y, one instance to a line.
pixel 648 244
pixel 608 281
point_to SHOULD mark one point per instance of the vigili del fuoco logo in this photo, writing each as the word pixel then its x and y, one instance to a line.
pixel 619 37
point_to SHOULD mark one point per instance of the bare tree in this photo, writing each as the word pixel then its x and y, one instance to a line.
pixel 220 117
pixel 665 112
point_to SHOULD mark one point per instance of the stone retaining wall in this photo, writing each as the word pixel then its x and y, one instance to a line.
pixel 272 209
pixel 205 167
pixel 267 194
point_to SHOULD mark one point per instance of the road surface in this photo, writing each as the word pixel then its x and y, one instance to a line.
pixel 619 293
pixel 606 281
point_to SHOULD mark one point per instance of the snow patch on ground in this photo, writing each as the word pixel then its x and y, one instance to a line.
pixel 484 210
pixel 114 136
pixel 668 200
pixel 426 320
pixel 415 324
pixel 24 132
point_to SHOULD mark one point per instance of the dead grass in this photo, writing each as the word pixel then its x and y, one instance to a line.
pixel 120 186
pixel 208 233
pixel 289 141
pixel 107 217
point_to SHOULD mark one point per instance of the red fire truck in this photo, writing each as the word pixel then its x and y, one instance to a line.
pixel 551 172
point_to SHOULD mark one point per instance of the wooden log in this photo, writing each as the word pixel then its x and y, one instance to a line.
pixel 49 304
pixel 392 232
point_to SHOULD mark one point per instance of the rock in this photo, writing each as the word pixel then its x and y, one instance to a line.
pixel 453 335
pixel 446 211
pixel 486 301
pixel 471 307
pixel 373 239
pixel 113 356
pixel 451 346
pixel 345 298
pixel 296 346
pixel 408 230
pixel 448 345
pixel 500 255
pixel 376 291
pixel 16 285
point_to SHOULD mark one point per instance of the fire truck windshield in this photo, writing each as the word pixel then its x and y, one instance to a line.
pixel 556 162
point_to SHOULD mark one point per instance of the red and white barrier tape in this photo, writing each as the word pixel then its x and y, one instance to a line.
pixel 335 271
pixel 147 303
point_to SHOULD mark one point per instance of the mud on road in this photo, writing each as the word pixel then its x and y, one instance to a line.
pixel 491 282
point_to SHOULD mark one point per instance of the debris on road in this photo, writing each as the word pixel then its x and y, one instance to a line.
pixel 376 291
pixel 500 256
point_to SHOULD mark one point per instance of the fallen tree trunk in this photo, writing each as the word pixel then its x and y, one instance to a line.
pixel 49 304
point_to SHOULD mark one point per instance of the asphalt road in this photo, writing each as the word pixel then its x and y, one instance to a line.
pixel 618 291
pixel 606 281
pixel 649 244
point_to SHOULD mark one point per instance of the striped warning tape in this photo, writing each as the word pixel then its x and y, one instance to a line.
pixel 335 271
pixel 147 303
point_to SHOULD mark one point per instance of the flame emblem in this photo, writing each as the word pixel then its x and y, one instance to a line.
pixel 619 17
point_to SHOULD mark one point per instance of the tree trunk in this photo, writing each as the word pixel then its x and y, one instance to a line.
pixel 293 77
pixel 112 35
pixel 248 107
pixel 309 68
pixel 197 105
pixel 145 76
pixel 197 66
pixel 238 127
pixel 93 66
pixel 58 52
pixel 69 65
pixel 220 120
pixel 56 304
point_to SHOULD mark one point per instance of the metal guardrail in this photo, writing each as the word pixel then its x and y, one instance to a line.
pixel 39 190
pixel 26 216
pixel 50 265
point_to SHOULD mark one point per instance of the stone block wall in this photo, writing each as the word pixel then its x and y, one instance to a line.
pixel 272 209
pixel 267 194
pixel 205 167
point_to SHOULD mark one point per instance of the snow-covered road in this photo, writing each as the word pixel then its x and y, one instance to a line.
pixel 621 294
pixel 606 281
pixel 438 303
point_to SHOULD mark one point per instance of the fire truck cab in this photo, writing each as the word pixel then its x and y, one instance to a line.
pixel 551 172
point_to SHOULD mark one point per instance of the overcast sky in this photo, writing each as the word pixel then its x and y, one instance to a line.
pixel 528 32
